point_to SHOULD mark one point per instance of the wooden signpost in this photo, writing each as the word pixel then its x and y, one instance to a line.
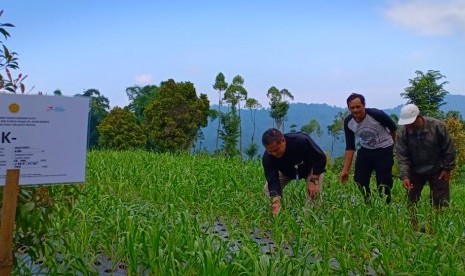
pixel 10 197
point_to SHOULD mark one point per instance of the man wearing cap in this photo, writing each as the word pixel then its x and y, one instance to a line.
pixel 377 132
pixel 425 153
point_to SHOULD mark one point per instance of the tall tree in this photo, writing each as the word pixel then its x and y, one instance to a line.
pixel 229 132
pixel 140 98
pixel 426 93
pixel 8 62
pixel 293 128
pixel 175 116
pixel 252 104
pixel 220 85
pixel 251 150
pixel 99 106
pixel 336 129
pixel 234 94
pixel 279 105
pixel 57 92
pixel 120 130
pixel 199 138
pixel 313 127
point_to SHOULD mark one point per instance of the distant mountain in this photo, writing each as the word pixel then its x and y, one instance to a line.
pixel 454 103
pixel 300 114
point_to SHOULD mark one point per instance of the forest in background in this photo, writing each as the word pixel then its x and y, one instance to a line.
pixel 300 114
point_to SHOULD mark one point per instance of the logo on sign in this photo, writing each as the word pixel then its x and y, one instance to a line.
pixel 55 108
pixel 13 107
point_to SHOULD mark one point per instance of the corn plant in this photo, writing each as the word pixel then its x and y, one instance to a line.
pixel 143 213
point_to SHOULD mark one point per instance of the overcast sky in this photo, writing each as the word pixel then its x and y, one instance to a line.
pixel 321 51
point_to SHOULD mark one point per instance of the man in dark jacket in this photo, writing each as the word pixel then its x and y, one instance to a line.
pixel 425 153
pixel 291 156
pixel 377 132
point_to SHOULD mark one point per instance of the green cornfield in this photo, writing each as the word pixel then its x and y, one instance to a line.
pixel 143 213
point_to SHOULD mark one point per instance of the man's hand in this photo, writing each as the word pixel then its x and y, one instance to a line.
pixel 445 175
pixel 312 189
pixel 344 176
pixel 275 204
pixel 348 156
pixel 407 184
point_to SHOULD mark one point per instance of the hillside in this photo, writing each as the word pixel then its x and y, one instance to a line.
pixel 300 114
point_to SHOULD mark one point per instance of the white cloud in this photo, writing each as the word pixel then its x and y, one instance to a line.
pixel 429 17
pixel 144 79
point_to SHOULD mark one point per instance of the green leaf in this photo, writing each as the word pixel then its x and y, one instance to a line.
pixel 29 206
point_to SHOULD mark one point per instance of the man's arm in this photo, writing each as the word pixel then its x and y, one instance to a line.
pixel 403 155
pixel 272 176
pixel 348 156
pixel 403 158
pixel 349 135
pixel 448 149
pixel 350 150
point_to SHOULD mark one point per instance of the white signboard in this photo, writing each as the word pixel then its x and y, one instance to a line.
pixel 43 136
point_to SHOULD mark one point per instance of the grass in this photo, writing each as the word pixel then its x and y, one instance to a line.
pixel 155 214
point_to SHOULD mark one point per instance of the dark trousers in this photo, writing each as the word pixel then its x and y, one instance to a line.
pixel 380 161
pixel 440 189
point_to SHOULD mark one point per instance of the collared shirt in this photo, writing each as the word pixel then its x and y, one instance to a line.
pixel 426 150
pixel 302 155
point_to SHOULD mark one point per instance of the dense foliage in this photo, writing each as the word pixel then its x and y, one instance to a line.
pixel 456 129
pixel 9 62
pixel 313 128
pixel 426 93
pixel 279 104
pixel 99 106
pixel 120 130
pixel 140 98
pixel 176 115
